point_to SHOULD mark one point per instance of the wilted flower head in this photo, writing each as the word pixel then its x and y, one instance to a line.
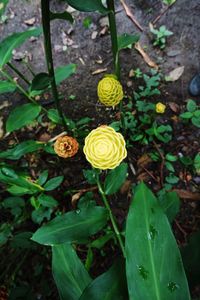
pixel 105 148
pixel 110 91
pixel 160 108
pixel 66 146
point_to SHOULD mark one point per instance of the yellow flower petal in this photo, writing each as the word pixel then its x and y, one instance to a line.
pixel 105 148
pixel 110 91
pixel 160 108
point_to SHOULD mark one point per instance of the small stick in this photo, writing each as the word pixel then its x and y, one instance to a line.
pixel 162 163
pixel 57 136
pixel 130 15
pixel 161 14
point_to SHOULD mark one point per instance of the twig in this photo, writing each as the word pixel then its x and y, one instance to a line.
pixel 57 136
pixel 162 163
pixel 147 171
pixel 130 15
pixel 161 14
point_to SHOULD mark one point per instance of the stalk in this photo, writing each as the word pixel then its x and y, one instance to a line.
pixel 112 219
pixel 113 33
pixel 18 73
pixel 48 53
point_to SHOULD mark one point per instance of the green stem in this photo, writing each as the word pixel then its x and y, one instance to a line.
pixel 48 53
pixel 18 73
pixel 6 75
pixel 113 32
pixel 112 219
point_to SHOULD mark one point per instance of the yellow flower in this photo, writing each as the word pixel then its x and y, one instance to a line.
pixel 105 148
pixel 160 108
pixel 110 91
pixel 66 146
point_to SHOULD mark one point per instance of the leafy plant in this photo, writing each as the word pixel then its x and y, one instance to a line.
pixel 160 36
pixel 192 114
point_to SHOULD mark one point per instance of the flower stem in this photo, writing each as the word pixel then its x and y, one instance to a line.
pixel 45 7
pixel 112 219
pixel 113 33
pixel 18 73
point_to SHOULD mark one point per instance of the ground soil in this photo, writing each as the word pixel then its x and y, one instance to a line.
pixel 74 44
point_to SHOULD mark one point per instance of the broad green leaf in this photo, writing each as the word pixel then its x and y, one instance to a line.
pixel 170 203
pixel 7 87
pixel 115 179
pixel 153 263
pixel 196 121
pixel 191 105
pixel 3 4
pixel 64 72
pixel 43 177
pixel 62 16
pixel 197 163
pixel 69 273
pixel 40 82
pixel 12 202
pixel 108 286
pixel 10 177
pixel 88 5
pixel 53 183
pixel 186 115
pixel 74 226
pixel 125 40
pixel 47 201
pixel 54 116
pixel 22 240
pixel 13 41
pixel 23 148
pixel 21 116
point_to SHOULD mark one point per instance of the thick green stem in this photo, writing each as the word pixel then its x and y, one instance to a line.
pixel 48 53
pixel 18 73
pixel 113 33
pixel 6 75
pixel 112 219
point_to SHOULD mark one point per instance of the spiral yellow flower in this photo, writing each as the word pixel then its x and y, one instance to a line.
pixel 110 91
pixel 160 108
pixel 105 148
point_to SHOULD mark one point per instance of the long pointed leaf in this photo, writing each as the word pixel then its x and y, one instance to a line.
pixel 154 267
pixel 69 273
pixel 88 5
pixel 74 226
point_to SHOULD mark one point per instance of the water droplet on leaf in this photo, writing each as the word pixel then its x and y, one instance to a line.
pixel 152 232
pixel 143 272
pixel 78 211
pixel 172 286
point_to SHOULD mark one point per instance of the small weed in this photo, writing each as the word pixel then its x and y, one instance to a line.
pixel 160 36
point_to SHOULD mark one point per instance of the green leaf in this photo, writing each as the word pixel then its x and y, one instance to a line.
pixel 196 121
pixel 110 285
pixel 3 4
pixel 150 249
pixel 22 240
pixel 21 116
pixel 115 179
pixel 40 214
pixel 43 177
pixel 74 226
pixel 64 72
pixel 197 163
pixel 171 157
pixel 47 201
pixel 7 87
pixel 191 105
pixel 69 273
pixel 186 115
pixel 170 203
pixel 172 179
pixel 53 115
pixel 88 5
pixel 12 202
pixel 13 41
pixel 125 40
pixel 23 148
pixel 62 16
pixel 40 82
pixel 102 240
pixel 53 183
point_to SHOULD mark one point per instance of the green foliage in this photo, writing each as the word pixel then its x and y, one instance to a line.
pixel 69 273
pixel 87 22
pixel 21 116
pixel 169 2
pixel 110 285
pixel 7 87
pixel 74 226
pixel 115 179
pixel 62 16
pixel 3 5
pixel 88 5
pixel 147 252
pixel 192 113
pixel 160 36
pixel 13 41
pixel 126 40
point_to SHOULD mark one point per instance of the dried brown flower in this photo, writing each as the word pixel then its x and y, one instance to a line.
pixel 66 146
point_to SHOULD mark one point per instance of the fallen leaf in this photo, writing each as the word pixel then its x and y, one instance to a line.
pixel 1 127
pixel 125 187
pixel 174 107
pixel 45 137
pixel 187 194
pixel 175 74
pixel 146 57
pixel 94 35
pixel 4 104
pixel 30 22
pixel 98 71
pixel 103 31
pixel 144 160
pixel 104 22
pixel 130 15
pixel 143 177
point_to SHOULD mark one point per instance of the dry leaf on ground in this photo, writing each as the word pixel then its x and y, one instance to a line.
pixel 175 74
pixel 98 71
pixel 187 194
